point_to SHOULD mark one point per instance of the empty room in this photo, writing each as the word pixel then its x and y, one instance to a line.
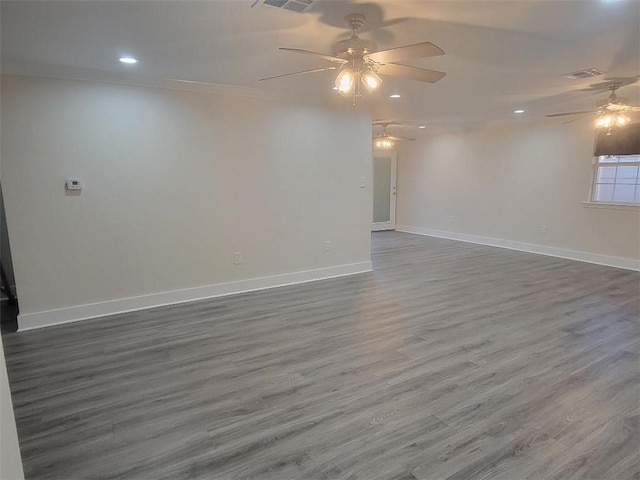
pixel 320 239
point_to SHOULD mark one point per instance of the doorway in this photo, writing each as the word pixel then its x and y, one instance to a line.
pixel 8 298
pixel 384 191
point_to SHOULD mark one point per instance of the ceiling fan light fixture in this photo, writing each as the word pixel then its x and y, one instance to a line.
pixel 605 121
pixel 384 143
pixel 615 120
pixel 345 81
pixel 622 120
pixel 371 80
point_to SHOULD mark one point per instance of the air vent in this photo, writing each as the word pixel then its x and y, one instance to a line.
pixel 299 6
pixel 586 73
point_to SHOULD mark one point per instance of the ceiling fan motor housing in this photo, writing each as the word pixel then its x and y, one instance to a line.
pixel 354 47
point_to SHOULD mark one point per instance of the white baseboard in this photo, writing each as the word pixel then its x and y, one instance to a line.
pixel 30 321
pixel 610 261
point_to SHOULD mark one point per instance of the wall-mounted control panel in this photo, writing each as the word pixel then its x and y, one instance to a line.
pixel 74 184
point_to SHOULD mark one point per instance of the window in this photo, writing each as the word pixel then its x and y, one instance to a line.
pixel 617 179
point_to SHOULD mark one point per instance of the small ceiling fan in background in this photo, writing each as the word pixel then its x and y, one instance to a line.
pixel 612 112
pixel 359 62
pixel 384 141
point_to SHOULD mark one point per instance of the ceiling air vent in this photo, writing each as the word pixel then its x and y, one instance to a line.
pixel 299 6
pixel 586 73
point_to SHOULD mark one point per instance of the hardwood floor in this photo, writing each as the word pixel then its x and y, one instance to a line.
pixel 451 360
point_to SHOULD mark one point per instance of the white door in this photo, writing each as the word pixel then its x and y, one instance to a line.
pixel 384 191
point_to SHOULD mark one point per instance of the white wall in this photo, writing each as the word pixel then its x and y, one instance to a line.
pixel 10 460
pixel 506 181
pixel 175 182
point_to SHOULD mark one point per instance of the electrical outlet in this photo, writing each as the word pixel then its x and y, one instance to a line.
pixel 237 258
pixel 327 246
pixel 544 229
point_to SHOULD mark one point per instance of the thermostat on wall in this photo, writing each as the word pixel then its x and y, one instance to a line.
pixel 73 184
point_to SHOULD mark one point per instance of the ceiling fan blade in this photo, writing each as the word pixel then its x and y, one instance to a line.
pixel 569 113
pixel 398 54
pixel 579 118
pixel 399 137
pixel 313 70
pixel 414 73
pixel 380 122
pixel 331 58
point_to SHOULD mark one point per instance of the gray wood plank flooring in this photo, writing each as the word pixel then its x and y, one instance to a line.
pixel 449 361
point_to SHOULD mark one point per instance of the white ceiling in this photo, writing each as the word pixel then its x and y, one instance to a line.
pixel 500 55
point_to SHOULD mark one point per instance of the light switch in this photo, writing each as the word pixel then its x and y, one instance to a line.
pixel 363 182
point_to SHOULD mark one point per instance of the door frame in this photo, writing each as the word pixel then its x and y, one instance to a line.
pixel 391 224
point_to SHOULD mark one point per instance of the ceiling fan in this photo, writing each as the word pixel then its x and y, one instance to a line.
pixel 611 112
pixel 384 141
pixel 359 62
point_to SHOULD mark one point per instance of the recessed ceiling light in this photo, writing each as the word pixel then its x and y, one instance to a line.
pixel 395 95
pixel 422 126
pixel 128 60
pixel 519 111
pixel 334 88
